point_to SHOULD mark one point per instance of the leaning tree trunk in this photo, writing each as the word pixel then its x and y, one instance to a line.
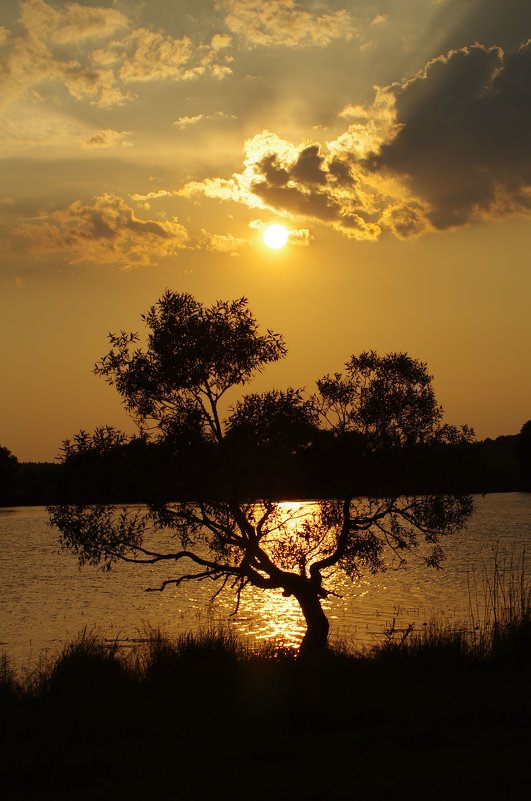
pixel 315 640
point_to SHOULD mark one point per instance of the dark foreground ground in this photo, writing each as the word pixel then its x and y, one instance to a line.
pixel 205 720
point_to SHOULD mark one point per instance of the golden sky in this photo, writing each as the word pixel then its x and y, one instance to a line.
pixel 146 145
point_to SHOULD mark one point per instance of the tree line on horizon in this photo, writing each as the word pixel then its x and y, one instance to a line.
pixel 135 470
pixel 109 467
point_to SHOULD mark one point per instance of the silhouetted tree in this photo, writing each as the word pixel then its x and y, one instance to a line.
pixel 174 386
pixel 523 453
pixel 8 466
pixel 266 435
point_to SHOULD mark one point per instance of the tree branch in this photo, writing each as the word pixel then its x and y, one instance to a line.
pixel 188 577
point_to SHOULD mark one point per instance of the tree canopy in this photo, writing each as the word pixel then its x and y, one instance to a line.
pixel 174 384
pixel 8 466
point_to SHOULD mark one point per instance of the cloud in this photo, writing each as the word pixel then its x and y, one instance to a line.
pixel 104 231
pixel 57 44
pixel 221 189
pixel 145 55
pixel 284 23
pixel 159 193
pixel 32 56
pixel 220 41
pixel 108 138
pixel 373 125
pixel 221 243
pixel 299 181
pixel 461 141
pixel 155 56
pixel 406 220
pixel 144 200
pixel 316 186
pixel 73 22
pixel 299 236
pixel 436 151
pixel 185 122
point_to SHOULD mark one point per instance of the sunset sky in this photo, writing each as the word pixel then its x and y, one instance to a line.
pixel 144 146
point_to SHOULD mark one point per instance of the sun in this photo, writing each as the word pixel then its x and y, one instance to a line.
pixel 275 236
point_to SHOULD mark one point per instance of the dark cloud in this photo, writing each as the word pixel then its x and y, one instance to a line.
pixel 297 200
pixel 309 167
pixel 439 150
pixel 273 172
pixel 311 185
pixel 464 135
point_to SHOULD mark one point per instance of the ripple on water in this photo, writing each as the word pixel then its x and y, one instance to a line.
pixel 46 599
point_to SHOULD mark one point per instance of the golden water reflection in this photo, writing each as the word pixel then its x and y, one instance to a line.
pixel 46 600
pixel 271 615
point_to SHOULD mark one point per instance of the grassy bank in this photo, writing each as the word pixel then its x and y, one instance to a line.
pixel 424 716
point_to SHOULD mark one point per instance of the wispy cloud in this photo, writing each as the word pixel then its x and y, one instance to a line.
pixel 159 193
pixel 108 138
pixel 187 122
pixel 285 23
pixel 221 243
pixel 299 236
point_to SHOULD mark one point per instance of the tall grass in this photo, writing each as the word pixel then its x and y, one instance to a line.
pixel 502 622
pixel 190 658
pixel 499 623
pixel 9 685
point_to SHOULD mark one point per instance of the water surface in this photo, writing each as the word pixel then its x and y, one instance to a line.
pixel 46 599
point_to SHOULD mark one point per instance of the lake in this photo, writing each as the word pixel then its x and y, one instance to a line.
pixel 46 599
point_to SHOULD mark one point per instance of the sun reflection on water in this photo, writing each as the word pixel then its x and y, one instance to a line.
pixel 47 600
pixel 272 615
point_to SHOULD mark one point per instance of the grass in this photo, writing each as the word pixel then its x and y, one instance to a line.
pixel 425 715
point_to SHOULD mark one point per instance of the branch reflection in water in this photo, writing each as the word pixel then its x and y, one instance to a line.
pixel 46 600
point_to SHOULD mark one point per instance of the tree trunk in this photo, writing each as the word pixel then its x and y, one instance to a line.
pixel 315 640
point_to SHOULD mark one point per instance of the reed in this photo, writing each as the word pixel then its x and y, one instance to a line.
pixel 499 623
pixel 161 660
pixel 500 611
pixel 9 686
